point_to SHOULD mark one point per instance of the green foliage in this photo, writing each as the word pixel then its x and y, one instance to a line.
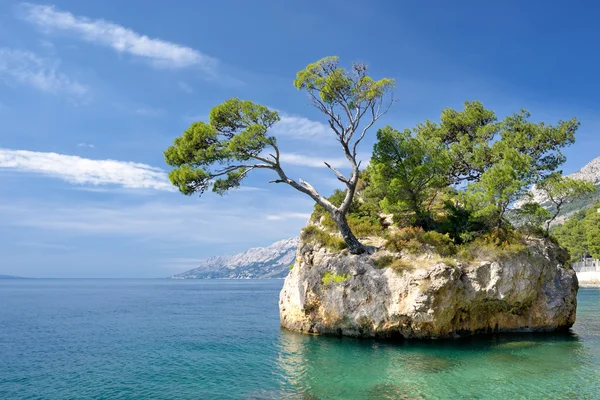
pixel 221 149
pixel 562 191
pixel 409 170
pixel 487 163
pixel 395 263
pixel 336 85
pixel 499 245
pixel 442 243
pixel 329 278
pixel 531 217
pixel 593 235
pixel 312 234
pixel 365 226
pixel 580 234
pixel 414 239
pixel 363 217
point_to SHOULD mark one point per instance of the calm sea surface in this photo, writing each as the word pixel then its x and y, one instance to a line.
pixel 161 339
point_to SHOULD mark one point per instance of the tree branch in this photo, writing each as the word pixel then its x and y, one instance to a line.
pixel 338 174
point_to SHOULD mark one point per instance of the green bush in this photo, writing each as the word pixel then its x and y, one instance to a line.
pixel 329 277
pixel 413 239
pixel 365 225
pixel 395 263
pixel 442 243
pixel 313 234
pixel 492 246
pixel 410 239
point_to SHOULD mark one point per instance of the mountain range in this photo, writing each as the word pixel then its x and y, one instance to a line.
pixel 261 262
pixel 590 173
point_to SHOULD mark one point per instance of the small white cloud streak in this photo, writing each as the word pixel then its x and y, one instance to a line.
pixel 160 53
pixel 287 216
pixel 185 87
pixel 196 222
pixel 296 127
pixel 28 69
pixel 80 170
pixel 311 161
pixel 86 145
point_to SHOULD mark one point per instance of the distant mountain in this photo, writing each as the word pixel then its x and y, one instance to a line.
pixel 10 277
pixel 261 262
pixel 590 173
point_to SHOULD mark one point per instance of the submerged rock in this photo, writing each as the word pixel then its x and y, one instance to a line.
pixel 344 294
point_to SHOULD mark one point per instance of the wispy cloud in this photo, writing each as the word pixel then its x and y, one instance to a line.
pixel 80 170
pixel 297 127
pixel 185 87
pixel 288 216
pixel 160 53
pixel 28 69
pixel 313 161
pixel 86 145
pixel 196 222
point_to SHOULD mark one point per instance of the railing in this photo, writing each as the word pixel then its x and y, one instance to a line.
pixel 589 265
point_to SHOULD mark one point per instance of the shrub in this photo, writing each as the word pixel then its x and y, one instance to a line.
pixel 492 246
pixel 329 277
pixel 450 262
pixel 365 226
pixel 383 262
pixel 412 240
pixel 312 234
pixel 442 243
pixel 395 263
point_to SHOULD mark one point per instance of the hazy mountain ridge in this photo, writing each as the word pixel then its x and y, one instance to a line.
pixel 590 172
pixel 261 262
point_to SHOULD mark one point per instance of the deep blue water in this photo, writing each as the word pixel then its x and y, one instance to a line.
pixel 161 339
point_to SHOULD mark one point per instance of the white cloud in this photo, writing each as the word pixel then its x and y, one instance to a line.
pixel 287 216
pixel 297 127
pixel 80 170
pixel 86 145
pixel 26 68
pixel 311 161
pixel 204 221
pixel 160 53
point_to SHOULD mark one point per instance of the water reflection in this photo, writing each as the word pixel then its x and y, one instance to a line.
pixel 509 366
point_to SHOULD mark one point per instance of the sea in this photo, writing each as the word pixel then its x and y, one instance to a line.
pixel 221 339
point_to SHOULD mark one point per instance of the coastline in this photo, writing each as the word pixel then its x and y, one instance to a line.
pixel 589 278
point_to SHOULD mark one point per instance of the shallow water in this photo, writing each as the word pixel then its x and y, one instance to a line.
pixel 161 339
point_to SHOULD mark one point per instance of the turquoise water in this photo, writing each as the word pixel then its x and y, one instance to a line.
pixel 160 339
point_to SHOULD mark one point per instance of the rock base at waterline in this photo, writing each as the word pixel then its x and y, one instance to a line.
pixel 343 294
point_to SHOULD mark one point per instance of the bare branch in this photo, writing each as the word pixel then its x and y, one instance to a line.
pixel 338 174
pixel 236 167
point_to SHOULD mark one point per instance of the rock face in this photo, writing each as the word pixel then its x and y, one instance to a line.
pixel 257 263
pixel 531 291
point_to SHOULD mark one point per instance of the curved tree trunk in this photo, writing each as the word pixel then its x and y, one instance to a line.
pixel 354 246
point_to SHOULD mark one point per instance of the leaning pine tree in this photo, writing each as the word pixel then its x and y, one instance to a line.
pixel 236 140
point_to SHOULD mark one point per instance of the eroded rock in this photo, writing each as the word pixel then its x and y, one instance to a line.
pixel 531 291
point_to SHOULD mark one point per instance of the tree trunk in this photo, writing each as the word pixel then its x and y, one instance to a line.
pixel 354 246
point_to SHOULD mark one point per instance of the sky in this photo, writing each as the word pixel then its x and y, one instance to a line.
pixel 92 93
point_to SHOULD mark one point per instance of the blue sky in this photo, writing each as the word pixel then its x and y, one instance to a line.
pixel 92 93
